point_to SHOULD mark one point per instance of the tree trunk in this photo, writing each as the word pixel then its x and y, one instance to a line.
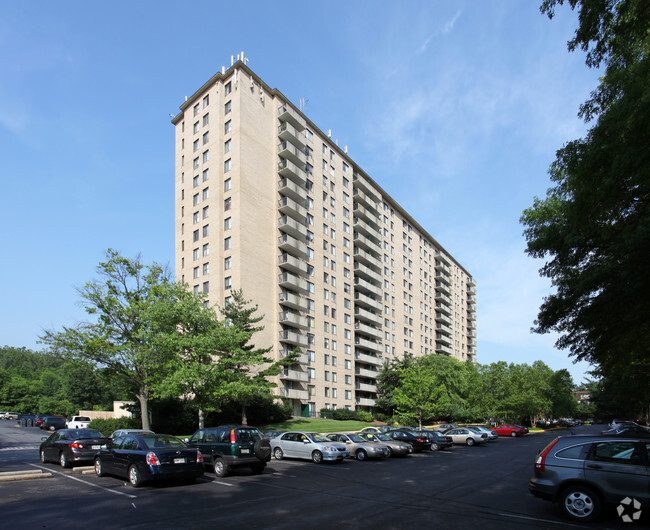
pixel 244 419
pixel 201 418
pixel 143 398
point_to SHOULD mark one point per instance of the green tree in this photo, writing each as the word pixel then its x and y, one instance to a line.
pixel 593 227
pixel 121 337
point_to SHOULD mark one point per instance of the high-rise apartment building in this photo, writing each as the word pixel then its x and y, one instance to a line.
pixel 267 202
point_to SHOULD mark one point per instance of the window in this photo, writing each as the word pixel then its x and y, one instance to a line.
pixel 195 182
pixel 206 100
pixel 205 194
pixel 227 165
pixel 206 156
pixel 206 119
pixel 195 254
pixel 206 268
pixel 206 287
pixel 227 263
pixel 227 127
pixel 227 184
pixel 227 107
pixel 227 223
pixel 227 204
pixel 196 109
pixel 195 163
pixel 227 243
pixel 195 127
pixel 195 272
pixel 195 145
pixel 348 394
pixel 206 137
pixel 228 88
pixel 227 282
pixel 195 199
pixel 206 249
pixel 206 212
pixel 227 146
pixel 195 236
pixel 206 174
pixel 309 135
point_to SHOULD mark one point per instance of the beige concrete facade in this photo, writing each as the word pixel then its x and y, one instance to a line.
pixel 267 202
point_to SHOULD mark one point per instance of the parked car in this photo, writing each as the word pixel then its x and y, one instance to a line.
pixel 52 423
pixel 439 441
pixel 507 429
pixel 616 423
pixel 467 436
pixel 78 422
pixel 377 428
pixel 271 434
pixel 624 429
pixel 39 419
pixel 443 427
pixel 583 472
pixel 144 457
pixel 395 447
pixel 71 446
pixel 308 445
pixel 124 432
pixel 419 442
pixel 527 430
pixel 358 447
pixel 10 415
pixel 229 446
pixel 492 435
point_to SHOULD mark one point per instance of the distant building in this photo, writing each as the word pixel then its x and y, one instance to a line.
pixel 267 202
pixel 582 396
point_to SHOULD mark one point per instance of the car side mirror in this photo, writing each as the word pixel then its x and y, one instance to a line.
pixel 305 441
pixel 43 438
pixel 186 440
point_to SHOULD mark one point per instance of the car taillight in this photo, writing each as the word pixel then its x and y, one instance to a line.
pixel 199 456
pixel 152 459
pixel 76 445
pixel 232 436
pixel 540 463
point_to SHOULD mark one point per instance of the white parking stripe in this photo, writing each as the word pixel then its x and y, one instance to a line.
pixel 85 482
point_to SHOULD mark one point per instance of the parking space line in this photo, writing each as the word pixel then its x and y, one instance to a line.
pixel 84 481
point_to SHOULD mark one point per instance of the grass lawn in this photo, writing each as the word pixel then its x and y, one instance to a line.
pixel 316 425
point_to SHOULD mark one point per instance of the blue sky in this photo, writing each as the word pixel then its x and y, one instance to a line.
pixel 455 109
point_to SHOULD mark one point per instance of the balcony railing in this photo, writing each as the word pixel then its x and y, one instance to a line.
pixel 288 113
pixel 286 131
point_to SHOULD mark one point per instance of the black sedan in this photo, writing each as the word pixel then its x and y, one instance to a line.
pixel 149 456
pixel 70 446
pixel 438 440
pixel 419 442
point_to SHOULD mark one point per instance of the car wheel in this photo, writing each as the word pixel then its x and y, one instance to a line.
pixel 470 441
pixel 317 457
pixel 361 455
pixel 580 503
pixel 278 453
pixel 257 469
pixel 435 447
pixel 99 470
pixel 221 469
pixel 43 459
pixel 134 477
pixel 52 427
pixel 63 460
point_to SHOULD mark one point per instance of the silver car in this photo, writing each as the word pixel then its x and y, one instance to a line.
pixel 358 447
pixel 492 435
pixel 464 435
pixel 309 446
pixel 395 447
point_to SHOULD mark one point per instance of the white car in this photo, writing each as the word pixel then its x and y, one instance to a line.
pixel 463 435
pixel 78 422
pixel 309 446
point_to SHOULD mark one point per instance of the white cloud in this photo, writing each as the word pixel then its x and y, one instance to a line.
pixel 449 25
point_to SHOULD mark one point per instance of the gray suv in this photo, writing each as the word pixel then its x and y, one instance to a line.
pixel 585 472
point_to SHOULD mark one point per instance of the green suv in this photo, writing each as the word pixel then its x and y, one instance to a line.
pixel 229 446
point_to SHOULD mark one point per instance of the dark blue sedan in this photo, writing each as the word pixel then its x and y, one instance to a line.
pixel 148 456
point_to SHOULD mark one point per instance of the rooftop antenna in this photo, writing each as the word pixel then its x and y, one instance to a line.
pixel 303 104
pixel 243 59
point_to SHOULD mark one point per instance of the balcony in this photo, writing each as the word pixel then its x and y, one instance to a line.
pixel 443 339
pixel 441 317
pixel 444 288
pixel 288 169
pixel 364 387
pixel 443 349
pixel 294 375
pixel 443 327
pixel 471 315
pixel 368 359
pixel 293 282
pixel 361 182
pixel 290 207
pixel 370 258
pixel 302 357
pixel 442 297
pixel 366 272
pixel 444 259
pixel 289 151
pixel 294 301
pixel 289 188
pixel 363 314
pixel 443 308
pixel 364 372
pixel 286 131
pixel 287 113
pixel 293 319
pixel 368 344
pixel 365 402
pixel 290 226
pixel 365 199
pixel 366 229
pixel 471 325
pixel 291 337
pixel 364 300
pixel 292 245
pixel 440 266
pixel 376 333
pixel 366 242
pixel 442 276
pixel 291 263
pixel 361 211
pixel 364 285
pixel 292 393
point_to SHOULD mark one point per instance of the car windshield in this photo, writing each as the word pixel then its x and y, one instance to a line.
pixel 381 436
pixel 355 438
pixel 315 437
pixel 247 435
pixel 157 441
pixel 82 434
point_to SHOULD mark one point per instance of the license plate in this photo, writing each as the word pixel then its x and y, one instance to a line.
pixel 179 460
pixel 245 451
pixel 96 447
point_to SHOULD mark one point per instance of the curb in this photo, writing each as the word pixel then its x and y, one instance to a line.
pixel 11 476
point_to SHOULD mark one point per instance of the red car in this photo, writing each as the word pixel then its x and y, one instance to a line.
pixel 508 429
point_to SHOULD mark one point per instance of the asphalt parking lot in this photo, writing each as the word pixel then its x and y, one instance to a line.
pixel 484 486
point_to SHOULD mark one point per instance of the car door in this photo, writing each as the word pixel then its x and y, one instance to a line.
pixel 107 455
pixel 619 469
pixel 52 448
pixel 122 455
pixel 288 444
